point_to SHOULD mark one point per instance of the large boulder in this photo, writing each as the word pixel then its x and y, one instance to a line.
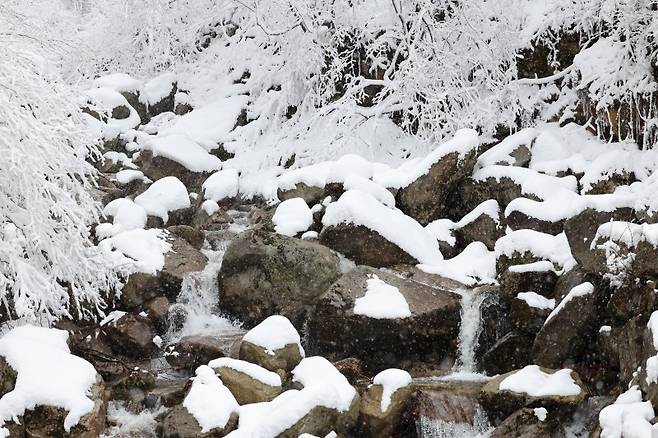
pixel 569 328
pixel 179 262
pixel 539 277
pixel 425 198
pixel 556 390
pixel 158 166
pixel 310 194
pixel 364 245
pixel 426 333
pixel 263 274
pixel 510 352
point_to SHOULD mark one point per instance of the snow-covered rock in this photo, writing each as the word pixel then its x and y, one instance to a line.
pixel 292 216
pixel 383 334
pixel 248 382
pixel 163 196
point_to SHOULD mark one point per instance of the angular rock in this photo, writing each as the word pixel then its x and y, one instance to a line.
pixel 518 220
pixel 179 262
pixel 193 351
pixel 364 246
pixel 282 359
pixel 537 277
pixel 311 194
pixel 191 235
pixel 483 229
pixel 424 199
pixel 570 329
pixel 580 231
pixel 157 311
pixel 7 377
pixel 495 320
pixel 179 423
pixel 245 388
pixel 336 331
pixel 263 274
pixel 525 423
pixel 527 318
pixel 321 420
pixel 512 351
pixel 375 422
pixel 499 404
pixel 131 335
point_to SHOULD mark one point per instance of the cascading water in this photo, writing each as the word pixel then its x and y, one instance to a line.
pixel 469 332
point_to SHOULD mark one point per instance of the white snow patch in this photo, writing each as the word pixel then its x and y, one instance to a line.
pixel 221 185
pixel 391 380
pixel 533 381
pixel 274 333
pixel 164 195
pixel 628 416
pixel 540 413
pixel 141 250
pixel 126 216
pixel 357 182
pixel 209 401
pixel 381 301
pixel 184 151
pixel 474 265
pixel 545 246
pixel 129 175
pixel 292 216
pixel 537 301
pixel 47 374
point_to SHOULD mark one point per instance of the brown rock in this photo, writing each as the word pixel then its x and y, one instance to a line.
pixel 179 423
pixel 192 351
pixel 131 335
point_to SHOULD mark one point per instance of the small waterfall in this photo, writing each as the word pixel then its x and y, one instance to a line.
pixel 196 311
pixel 469 331
pixel 432 428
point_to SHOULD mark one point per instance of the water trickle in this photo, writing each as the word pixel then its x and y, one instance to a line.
pixel 432 428
pixel 469 330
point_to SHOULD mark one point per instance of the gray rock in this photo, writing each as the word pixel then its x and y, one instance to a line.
pixel 334 330
pixel 245 388
pixel 193 351
pixel 364 246
pixel 311 194
pixel 179 423
pixel 525 424
pixel 263 274
pixel 424 199
pixel 512 351
pixel 281 360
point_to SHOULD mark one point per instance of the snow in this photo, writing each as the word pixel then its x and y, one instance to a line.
pixel 165 195
pixel 309 235
pixel 252 370
pixel 606 329
pixel 501 154
pixel 292 216
pixel 381 301
pixel 474 265
pixel 274 333
pixel 349 165
pixel 540 266
pixel 126 215
pixel 158 88
pixel 487 208
pixel 537 301
pixel 442 230
pixel 112 317
pixel 129 175
pixel 391 380
pixel 531 182
pixel 119 157
pixel 628 416
pixel 209 125
pixel 210 207
pixel 47 374
pixel 540 413
pixel 221 185
pixel 143 250
pixel 359 208
pixel 209 401
pixel 356 182
pixel 120 82
pixel 314 175
pixel 464 142
pixel 184 151
pixel 544 246
pixel 319 377
pixel 533 381
pixel 652 362
pixel 107 99
pixel 629 233
pixel 322 385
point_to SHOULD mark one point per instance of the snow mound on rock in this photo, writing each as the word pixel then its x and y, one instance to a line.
pixel 274 333
pixel 292 216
